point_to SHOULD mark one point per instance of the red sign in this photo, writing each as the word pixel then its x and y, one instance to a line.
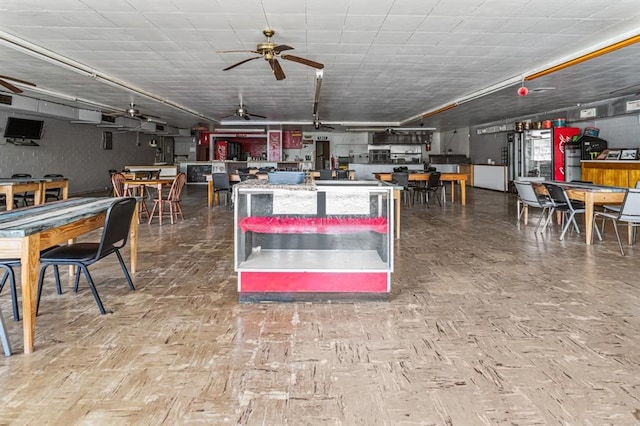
pixel 274 140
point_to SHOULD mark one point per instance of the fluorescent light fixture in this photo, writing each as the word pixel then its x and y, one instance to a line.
pixel 216 130
pixel 51 57
pixel 489 90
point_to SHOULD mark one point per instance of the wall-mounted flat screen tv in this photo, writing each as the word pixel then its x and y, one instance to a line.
pixel 22 128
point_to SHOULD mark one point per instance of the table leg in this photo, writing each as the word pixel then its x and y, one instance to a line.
pixel 38 195
pixel 9 198
pixel 160 203
pixel 463 192
pixel 453 191
pixel 588 215
pixel 65 190
pixel 396 196
pixel 210 193
pixel 30 259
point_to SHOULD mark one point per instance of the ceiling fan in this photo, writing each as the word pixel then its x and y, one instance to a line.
pixel 317 124
pixel 271 52
pixel 14 89
pixel 242 112
pixel 133 112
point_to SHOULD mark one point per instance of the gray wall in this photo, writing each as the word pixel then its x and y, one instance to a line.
pixel 74 150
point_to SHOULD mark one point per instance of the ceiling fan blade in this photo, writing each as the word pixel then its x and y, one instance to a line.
pixel 246 117
pixel 256 115
pixel 10 86
pixel 303 61
pixel 328 127
pixel 236 51
pixel 28 83
pixel 281 47
pixel 277 69
pixel 241 62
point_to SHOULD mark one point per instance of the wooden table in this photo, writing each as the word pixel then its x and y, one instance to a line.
pixel 591 195
pixel 131 184
pixel 12 186
pixel 460 178
pixel 25 232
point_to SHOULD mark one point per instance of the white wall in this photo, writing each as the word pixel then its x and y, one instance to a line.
pixel 74 150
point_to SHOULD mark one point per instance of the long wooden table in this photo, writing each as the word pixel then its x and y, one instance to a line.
pixel 591 195
pixel 460 178
pixel 12 186
pixel 24 233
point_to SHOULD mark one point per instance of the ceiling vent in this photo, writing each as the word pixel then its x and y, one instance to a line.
pixel 6 99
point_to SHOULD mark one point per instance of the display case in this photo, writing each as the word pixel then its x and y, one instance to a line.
pixel 313 241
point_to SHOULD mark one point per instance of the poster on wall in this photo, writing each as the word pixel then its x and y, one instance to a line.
pixel 274 138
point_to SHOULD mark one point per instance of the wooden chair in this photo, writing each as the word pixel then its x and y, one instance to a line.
pixel 172 201
pixel 117 180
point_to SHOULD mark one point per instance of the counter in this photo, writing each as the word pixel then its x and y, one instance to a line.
pixel 490 176
pixel 611 172
pixel 196 171
pixel 322 240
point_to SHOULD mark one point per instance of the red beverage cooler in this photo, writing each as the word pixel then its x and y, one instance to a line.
pixel 561 136
pixel 222 150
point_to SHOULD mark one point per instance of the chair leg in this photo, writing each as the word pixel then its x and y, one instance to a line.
pixel 125 270
pixel 6 346
pixel 43 268
pixel 615 228
pixel 10 276
pixel 92 286
pixel 56 274
pixel 153 211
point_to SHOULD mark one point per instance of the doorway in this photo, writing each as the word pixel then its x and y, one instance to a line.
pixel 323 155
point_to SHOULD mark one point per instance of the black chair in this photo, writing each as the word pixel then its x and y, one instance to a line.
pixel 81 255
pixel 10 276
pixel 326 174
pixel 561 202
pixel 24 196
pixel 402 179
pixel 4 338
pixel 434 187
pixel 221 185
pixel 52 194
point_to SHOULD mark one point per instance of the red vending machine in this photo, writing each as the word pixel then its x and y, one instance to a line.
pixel 222 150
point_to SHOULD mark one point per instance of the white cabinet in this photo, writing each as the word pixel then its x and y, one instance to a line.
pixel 490 177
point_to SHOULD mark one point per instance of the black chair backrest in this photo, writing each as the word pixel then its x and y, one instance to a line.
pixel 326 174
pixel 116 226
pixel 400 178
pixel 431 169
pixel 21 175
pixel 221 181
pixel 53 175
pixel 434 180
pixel 557 195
